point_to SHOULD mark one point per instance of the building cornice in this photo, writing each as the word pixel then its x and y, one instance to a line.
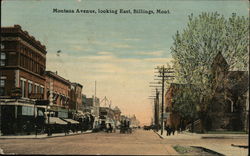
pixel 24 43
pixel 57 77
pixel 18 29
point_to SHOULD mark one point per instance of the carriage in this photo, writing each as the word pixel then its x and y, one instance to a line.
pixel 125 129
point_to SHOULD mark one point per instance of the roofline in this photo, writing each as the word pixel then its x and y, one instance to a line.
pixel 25 33
pixel 54 75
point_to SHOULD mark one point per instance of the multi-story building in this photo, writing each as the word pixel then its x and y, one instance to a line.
pixel 83 107
pixel 93 104
pixel 75 96
pixel 89 106
pixel 117 114
pixel 173 118
pixel 22 66
pixel 22 63
pixel 57 92
pixel 228 107
pixel 229 97
pixel 107 115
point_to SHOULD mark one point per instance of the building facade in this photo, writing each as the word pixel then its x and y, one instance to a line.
pixel 58 93
pixel 117 114
pixel 75 96
pixel 22 81
pixel 229 99
pixel 22 63
pixel 174 119
pixel 230 95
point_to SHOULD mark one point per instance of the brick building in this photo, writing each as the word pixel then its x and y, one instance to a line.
pixel 22 63
pixel 75 96
pixel 22 66
pixel 58 93
pixel 229 109
pixel 173 118
pixel 229 105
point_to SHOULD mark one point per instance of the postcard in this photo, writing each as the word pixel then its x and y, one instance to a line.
pixel 122 77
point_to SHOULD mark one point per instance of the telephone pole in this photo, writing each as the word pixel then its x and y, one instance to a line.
pixel 155 98
pixel 164 74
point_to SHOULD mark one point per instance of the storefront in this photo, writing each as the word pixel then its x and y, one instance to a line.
pixel 21 116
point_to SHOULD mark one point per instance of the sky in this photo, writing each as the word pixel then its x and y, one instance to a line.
pixel 118 51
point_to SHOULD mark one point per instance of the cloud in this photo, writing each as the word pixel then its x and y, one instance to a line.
pixel 104 53
pixel 112 45
pixel 149 53
pixel 132 39
pixel 80 48
pixel 121 45
pixel 159 60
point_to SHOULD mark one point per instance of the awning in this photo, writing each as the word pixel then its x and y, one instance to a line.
pixel 71 121
pixel 55 120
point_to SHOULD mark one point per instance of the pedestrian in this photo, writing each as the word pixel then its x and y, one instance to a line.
pixel 168 130
pixel 173 130
pixel 110 128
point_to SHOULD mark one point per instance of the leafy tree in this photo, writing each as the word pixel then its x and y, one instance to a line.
pixel 184 99
pixel 204 37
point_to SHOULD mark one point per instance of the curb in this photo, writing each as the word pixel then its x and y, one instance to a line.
pixel 45 137
pixel 209 151
pixel 224 137
pixel 159 135
pixel 62 135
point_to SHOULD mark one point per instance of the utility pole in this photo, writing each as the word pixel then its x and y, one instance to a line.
pixel 155 103
pixel 163 73
pixel 95 108
pixel 106 101
pixel 95 93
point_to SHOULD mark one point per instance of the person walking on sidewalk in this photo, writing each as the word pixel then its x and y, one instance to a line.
pixel 173 130
pixel 168 130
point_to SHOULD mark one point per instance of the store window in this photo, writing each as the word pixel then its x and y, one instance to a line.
pixel 29 111
pixel 2 59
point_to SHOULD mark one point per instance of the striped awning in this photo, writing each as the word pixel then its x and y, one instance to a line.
pixel 71 121
pixel 55 120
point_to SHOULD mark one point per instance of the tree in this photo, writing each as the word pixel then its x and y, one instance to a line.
pixel 195 48
pixel 184 99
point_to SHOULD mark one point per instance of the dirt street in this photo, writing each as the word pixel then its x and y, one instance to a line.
pixel 140 142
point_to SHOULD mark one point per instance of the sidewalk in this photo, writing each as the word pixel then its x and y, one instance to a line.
pixel 188 135
pixel 224 149
pixel 43 136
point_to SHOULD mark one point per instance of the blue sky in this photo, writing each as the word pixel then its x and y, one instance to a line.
pixel 119 51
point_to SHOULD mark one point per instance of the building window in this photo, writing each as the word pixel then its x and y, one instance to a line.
pixel 30 88
pixel 2 46
pixel 41 91
pixel 2 85
pixel 22 87
pixel 2 59
pixel 36 89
